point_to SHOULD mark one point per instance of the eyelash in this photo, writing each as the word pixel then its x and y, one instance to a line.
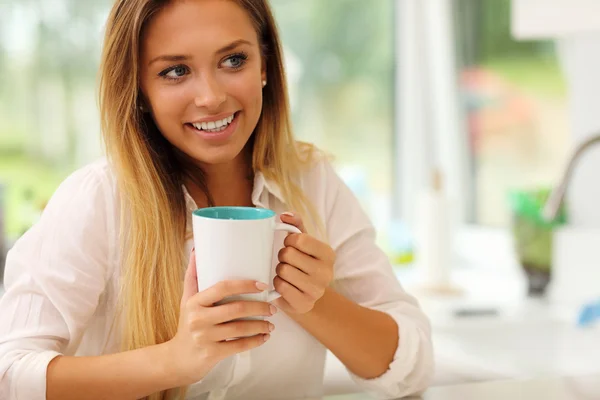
pixel 164 73
pixel 241 55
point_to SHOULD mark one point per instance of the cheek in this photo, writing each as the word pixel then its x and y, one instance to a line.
pixel 171 100
pixel 168 105
pixel 248 92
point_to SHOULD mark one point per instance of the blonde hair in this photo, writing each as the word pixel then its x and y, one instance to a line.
pixel 150 174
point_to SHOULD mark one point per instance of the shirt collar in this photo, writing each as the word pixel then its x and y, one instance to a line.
pixel 262 185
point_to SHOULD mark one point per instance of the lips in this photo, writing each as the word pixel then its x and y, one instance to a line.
pixel 214 125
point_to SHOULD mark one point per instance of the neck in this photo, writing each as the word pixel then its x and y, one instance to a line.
pixel 229 184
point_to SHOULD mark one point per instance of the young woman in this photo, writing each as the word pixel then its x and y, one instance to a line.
pixel 98 303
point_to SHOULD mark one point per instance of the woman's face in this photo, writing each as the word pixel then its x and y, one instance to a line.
pixel 201 74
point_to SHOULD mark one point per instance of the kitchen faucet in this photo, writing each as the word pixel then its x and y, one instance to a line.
pixel 557 196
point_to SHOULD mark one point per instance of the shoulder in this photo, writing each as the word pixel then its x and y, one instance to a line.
pixel 76 231
pixel 336 204
pixel 84 190
pixel 316 170
pixel 97 172
pixel 317 177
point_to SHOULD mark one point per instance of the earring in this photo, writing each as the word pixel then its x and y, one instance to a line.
pixel 142 108
pixel 264 82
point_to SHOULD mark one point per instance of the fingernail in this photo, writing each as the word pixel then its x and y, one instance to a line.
pixel 266 337
pixel 273 309
pixel 288 213
pixel 271 327
pixel 262 286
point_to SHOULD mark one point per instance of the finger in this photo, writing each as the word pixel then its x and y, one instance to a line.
pixel 290 293
pixel 190 283
pixel 298 279
pixel 238 309
pixel 300 260
pixel 291 218
pixel 311 246
pixel 232 347
pixel 240 329
pixel 224 289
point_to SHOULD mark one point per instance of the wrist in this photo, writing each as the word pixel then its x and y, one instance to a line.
pixel 179 372
pixel 315 311
pixel 168 364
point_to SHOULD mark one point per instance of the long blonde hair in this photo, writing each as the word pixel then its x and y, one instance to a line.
pixel 150 175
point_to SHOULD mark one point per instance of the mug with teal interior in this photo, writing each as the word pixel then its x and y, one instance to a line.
pixel 235 213
pixel 250 231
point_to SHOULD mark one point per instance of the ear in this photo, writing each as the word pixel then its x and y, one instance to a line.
pixel 143 103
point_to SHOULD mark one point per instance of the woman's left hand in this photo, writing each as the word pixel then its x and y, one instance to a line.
pixel 304 271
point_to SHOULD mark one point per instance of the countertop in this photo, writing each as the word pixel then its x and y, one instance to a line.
pixel 559 388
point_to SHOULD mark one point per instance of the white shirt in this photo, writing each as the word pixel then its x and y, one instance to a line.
pixel 62 278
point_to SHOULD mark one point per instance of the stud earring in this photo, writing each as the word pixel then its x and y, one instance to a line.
pixel 264 83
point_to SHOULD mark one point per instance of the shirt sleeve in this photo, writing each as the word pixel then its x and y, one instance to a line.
pixel 54 276
pixel 364 274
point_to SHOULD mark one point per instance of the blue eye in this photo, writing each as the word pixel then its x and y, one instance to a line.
pixel 235 61
pixel 174 73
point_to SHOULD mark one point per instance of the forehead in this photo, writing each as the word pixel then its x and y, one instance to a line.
pixel 184 26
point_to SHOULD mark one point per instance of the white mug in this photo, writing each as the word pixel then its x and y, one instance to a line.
pixel 234 243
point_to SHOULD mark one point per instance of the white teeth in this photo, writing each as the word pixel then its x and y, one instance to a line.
pixel 214 126
pixel 218 129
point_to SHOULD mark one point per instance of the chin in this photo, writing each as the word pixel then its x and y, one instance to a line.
pixel 216 156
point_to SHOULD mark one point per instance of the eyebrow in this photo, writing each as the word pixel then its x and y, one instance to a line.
pixel 182 57
pixel 233 45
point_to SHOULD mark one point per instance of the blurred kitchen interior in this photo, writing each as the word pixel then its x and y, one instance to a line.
pixel 451 120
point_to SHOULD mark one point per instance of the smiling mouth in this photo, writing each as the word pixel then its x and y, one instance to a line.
pixel 214 126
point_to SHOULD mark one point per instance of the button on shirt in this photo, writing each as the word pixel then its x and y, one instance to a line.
pixel 62 280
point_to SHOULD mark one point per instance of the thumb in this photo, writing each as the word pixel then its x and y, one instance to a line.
pixel 190 283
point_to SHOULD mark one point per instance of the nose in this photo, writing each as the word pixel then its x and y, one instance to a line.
pixel 211 94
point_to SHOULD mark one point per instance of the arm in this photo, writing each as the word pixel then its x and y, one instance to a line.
pixel 203 339
pixel 370 337
pixel 365 317
pixel 55 275
pixel 128 375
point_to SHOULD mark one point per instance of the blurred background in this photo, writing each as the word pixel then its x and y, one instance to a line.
pixel 451 120
pixel 344 68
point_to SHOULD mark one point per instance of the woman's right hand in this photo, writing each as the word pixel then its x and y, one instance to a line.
pixel 201 338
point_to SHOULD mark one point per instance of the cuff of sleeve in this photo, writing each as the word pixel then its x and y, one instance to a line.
pixel 30 382
pixel 411 368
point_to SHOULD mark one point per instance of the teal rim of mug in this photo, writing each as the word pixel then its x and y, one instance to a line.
pixel 235 213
